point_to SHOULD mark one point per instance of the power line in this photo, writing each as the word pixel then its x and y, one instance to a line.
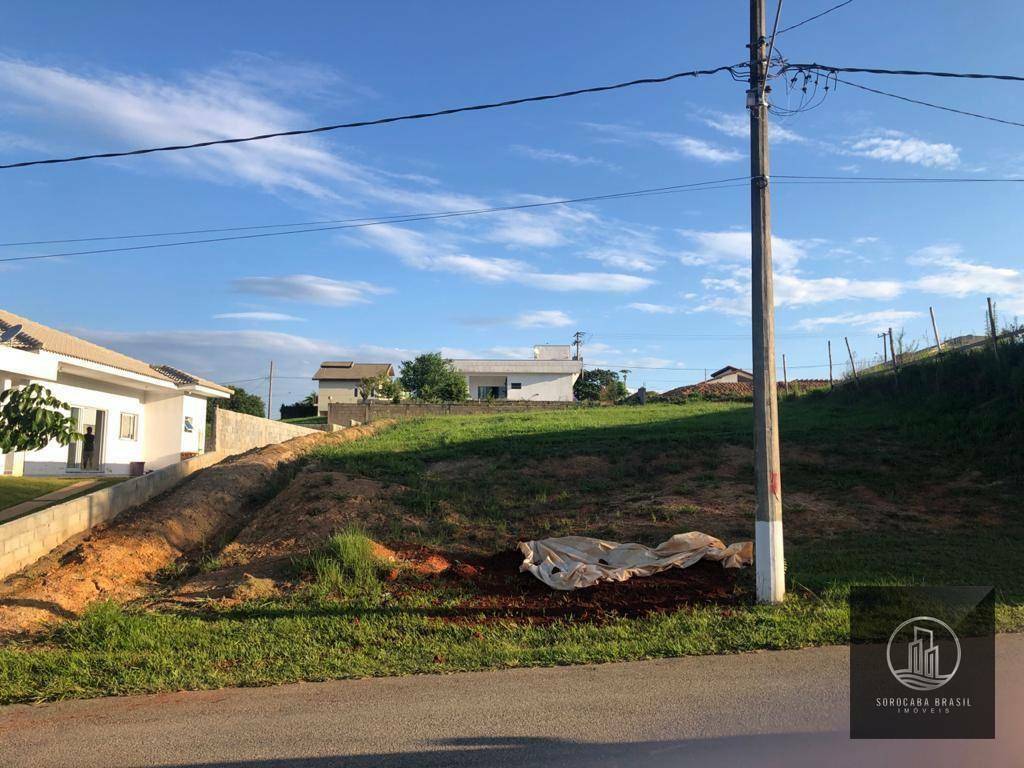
pixel 426 216
pixel 811 18
pixel 825 68
pixel 696 186
pixel 381 120
pixel 792 179
pixel 144 236
pixel 929 104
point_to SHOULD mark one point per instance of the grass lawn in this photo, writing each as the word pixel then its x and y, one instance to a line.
pixel 306 420
pixel 14 490
pixel 876 491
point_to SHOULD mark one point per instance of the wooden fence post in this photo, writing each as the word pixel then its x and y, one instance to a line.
pixel 853 365
pixel 831 385
pixel 992 329
pixel 895 366
pixel 935 331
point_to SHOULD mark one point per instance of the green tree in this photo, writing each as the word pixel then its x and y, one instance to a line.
pixel 310 399
pixel 432 378
pixel 30 417
pixel 240 402
pixel 381 385
pixel 600 384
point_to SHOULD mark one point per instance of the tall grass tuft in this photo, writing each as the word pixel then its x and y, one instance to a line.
pixel 346 564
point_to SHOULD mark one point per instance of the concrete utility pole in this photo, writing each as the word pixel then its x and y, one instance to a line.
pixel 577 340
pixel 771 584
pixel 270 390
pixel 885 353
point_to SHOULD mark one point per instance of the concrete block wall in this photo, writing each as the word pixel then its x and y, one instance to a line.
pixel 26 539
pixel 233 432
pixel 343 414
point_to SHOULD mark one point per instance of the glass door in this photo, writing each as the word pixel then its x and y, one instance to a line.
pixel 85 455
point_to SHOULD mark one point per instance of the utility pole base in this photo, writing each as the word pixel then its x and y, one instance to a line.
pixel 768 562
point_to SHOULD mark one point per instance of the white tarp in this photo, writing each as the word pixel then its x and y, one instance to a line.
pixel 572 562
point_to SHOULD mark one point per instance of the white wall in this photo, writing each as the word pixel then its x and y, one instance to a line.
pixel 162 430
pixel 194 441
pixel 550 387
pixel 542 386
pixel 341 391
pixel 115 453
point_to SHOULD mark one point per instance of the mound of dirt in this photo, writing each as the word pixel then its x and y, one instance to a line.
pixel 504 593
pixel 117 560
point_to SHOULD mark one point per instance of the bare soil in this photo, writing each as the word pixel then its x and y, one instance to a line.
pixel 119 560
pixel 505 593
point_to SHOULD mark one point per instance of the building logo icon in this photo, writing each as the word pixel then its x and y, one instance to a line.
pixel 923 653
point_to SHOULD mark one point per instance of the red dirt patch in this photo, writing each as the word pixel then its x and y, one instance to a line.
pixel 506 593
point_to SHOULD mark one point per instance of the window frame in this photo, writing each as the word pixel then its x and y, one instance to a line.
pixel 134 437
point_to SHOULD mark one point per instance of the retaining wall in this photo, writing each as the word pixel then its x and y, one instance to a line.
pixel 343 414
pixel 233 432
pixel 25 539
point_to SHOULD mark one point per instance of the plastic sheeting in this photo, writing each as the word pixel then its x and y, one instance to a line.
pixel 573 562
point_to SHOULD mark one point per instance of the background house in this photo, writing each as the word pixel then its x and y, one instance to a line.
pixel 339 381
pixel 731 374
pixel 548 377
pixel 138 412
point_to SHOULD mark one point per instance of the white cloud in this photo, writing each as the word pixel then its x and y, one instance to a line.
pixel 652 309
pixel 242 356
pixel 511 353
pixel 689 146
pixel 269 316
pixel 311 288
pixel 793 290
pixel 896 147
pixel 241 99
pixel 544 318
pixel 737 125
pixel 567 158
pixel 586 281
pixel 876 321
pixel 729 293
pixel 724 247
pixel 414 249
pixel 959 277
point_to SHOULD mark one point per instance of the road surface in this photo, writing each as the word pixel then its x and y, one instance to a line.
pixel 778 708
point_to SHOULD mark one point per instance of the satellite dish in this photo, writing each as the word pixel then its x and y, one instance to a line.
pixel 10 333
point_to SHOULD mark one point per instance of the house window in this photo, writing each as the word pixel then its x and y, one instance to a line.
pixel 129 426
pixel 515 385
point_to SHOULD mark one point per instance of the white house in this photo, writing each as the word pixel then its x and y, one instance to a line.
pixel 136 412
pixel 340 381
pixel 548 377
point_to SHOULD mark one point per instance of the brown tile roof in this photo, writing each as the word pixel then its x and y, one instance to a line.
pixel 346 370
pixel 35 336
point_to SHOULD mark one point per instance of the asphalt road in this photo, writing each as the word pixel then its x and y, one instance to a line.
pixel 782 708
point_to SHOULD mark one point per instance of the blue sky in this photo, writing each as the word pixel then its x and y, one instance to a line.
pixel 661 284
